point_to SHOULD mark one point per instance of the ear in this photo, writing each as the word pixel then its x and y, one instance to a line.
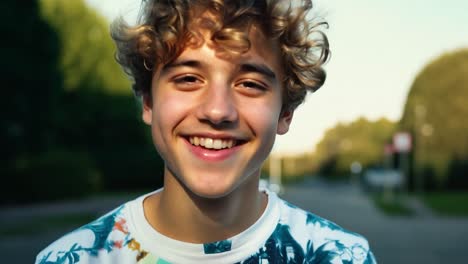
pixel 284 122
pixel 147 114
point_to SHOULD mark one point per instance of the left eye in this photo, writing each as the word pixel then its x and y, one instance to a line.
pixel 253 85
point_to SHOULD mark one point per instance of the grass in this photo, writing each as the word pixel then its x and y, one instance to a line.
pixel 392 207
pixel 44 224
pixel 449 204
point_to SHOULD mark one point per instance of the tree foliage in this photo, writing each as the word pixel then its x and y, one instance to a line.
pixel 100 114
pixel 70 124
pixel 31 80
pixel 436 113
pixel 360 141
pixel 87 51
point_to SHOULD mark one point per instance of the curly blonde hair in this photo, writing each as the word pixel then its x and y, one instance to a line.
pixel 164 30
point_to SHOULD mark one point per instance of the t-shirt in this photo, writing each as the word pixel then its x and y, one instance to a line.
pixel 283 234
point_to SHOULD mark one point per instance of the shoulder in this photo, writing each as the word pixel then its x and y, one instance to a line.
pixel 107 233
pixel 323 241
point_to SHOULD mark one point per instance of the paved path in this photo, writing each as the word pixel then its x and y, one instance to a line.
pixel 424 238
pixel 419 239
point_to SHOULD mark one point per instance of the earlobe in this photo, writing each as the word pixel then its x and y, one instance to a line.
pixel 284 122
pixel 147 113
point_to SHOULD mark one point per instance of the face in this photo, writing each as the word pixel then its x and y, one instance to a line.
pixel 214 117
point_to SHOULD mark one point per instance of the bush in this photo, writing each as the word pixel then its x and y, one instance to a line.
pixel 458 174
pixel 128 168
pixel 55 175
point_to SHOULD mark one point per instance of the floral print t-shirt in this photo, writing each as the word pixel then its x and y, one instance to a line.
pixel 283 234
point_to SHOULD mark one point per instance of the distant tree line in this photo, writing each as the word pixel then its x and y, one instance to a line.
pixel 436 116
pixel 70 124
pixel 359 141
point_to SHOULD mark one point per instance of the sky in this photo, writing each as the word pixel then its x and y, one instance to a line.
pixel 378 48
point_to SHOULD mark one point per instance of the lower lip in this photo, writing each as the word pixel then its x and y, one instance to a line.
pixel 211 154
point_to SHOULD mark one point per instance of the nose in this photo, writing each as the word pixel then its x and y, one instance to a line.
pixel 218 105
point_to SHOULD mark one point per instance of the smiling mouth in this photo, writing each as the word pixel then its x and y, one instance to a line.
pixel 215 144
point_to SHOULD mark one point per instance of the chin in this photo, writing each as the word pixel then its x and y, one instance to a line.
pixel 211 192
pixel 212 189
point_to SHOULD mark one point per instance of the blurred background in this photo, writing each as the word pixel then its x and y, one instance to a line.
pixel 381 149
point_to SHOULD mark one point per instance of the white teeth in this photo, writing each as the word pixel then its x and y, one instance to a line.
pixel 217 144
pixel 210 143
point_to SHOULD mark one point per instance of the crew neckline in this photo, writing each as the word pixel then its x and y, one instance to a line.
pixel 232 250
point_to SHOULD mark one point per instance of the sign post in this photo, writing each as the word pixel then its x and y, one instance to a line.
pixel 388 152
pixel 402 143
pixel 356 169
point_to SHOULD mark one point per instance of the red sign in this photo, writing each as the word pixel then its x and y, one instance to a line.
pixel 388 149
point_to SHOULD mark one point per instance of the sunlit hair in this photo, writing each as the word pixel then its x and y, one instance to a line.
pixel 166 27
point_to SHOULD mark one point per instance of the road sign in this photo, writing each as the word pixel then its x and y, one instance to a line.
pixel 402 142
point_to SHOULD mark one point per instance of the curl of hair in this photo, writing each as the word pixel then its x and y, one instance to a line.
pixel 166 27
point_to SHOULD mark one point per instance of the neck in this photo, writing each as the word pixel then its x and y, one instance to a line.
pixel 182 215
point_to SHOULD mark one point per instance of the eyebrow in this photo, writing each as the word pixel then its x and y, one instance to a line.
pixel 181 63
pixel 258 68
pixel 245 67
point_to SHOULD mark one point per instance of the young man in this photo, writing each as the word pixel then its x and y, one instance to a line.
pixel 218 80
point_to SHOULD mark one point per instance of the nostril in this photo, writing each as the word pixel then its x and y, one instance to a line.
pixel 218 116
pixel 218 108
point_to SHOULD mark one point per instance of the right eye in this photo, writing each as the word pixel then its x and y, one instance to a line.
pixel 187 81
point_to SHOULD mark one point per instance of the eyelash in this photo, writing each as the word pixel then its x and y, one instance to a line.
pixel 253 85
pixel 186 79
pixel 192 80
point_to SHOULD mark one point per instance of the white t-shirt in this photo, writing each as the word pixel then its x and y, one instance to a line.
pixel 283 234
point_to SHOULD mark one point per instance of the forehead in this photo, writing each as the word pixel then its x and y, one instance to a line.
pixel 213 26
pixel 244 40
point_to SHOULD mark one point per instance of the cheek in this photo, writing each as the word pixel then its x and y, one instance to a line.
pixel 169 110
pixel 263 118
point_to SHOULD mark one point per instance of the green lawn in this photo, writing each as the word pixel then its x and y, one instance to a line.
pixel 450 204
pixel 392 207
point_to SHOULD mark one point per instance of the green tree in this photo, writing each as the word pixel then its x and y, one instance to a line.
pixel 435 112
pixel 70 123
pixel 99 113
pixel 362 141
pixel 31 80
pixel 87 54
pixel 30 103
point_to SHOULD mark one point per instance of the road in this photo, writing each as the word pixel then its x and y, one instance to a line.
pixel 24 248
pixel 422 238
pixel 412 239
